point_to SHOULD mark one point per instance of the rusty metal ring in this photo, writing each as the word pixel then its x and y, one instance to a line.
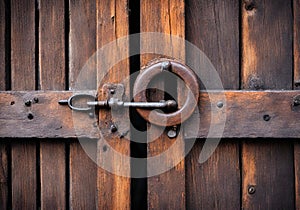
pixel 191 82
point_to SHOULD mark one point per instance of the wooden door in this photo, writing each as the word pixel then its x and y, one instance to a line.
pixel 253 45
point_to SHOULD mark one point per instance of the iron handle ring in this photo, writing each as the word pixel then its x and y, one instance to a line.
pixel 190 80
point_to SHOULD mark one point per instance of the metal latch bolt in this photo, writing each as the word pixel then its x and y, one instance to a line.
pixel 116 103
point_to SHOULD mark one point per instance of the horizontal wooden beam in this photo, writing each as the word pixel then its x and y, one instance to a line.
pixel 44 118
pixel 249 114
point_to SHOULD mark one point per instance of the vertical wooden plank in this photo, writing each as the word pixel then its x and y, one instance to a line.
pixel 83 171
pixel 3 176
pixel 52 44
pixel 53 174
pixel 112 23
pixel 2 45
pixel 23 153
pixel 296 7
pixel 163 193
pixel 297 172
pixel 23 45
pixel 52 77
pixel 3 146
pixel 267 64
pixel 213 26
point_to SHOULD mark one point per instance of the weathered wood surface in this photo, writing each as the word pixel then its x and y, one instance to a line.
pixel 3 35
pixel 242 109
pixel 52 76
pixel 297 172
pixel 4 147
pixel 23 58
pixel 113 191
pixel 272 111
pixel 296 7
pixel 169 19
pixel 267 64
pixel 47 114
pixel 213 26
pixel 82 46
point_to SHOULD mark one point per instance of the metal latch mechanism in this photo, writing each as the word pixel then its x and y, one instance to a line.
pixel 114 101
pixel 115 95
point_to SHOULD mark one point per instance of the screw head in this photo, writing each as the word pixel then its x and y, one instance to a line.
pixel 113 128
pixel 112 91
pixel 165 66
pixel 251 189
pixel 30 116
pixel 220 104
pixel 36 100
pixel 296 100
pixel 266 117
pixel 91 114
pixel 172 132
pixel 28 103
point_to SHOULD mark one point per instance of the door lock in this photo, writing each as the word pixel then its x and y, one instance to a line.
pixel 115 103
pixel 116 92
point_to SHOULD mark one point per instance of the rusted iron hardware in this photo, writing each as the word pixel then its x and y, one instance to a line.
pixel 183 72
pixel 114 101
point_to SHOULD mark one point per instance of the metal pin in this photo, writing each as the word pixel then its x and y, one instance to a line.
pixel 113 128
pixel 172 132
pixel 63 102
pixel 220 104
pixel 165 66
pixel 251 189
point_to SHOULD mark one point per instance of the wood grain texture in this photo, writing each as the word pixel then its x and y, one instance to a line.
pixel 296 7
pixel 3 146
pixel 83 171
pixel 82 46
pixel 52 44
pixel 249 114
pixel 23 178
pixel 199 193
pixel 266 163
pixel 112 23
pixel 267 64
pixel 242 109
pixel 53 174
pixel 168 17
pixel 23 45
pixel 2 46
pixel 213 26
pixel 23 154
pixel 297 172
pixel 266 44
pixel 47 121
pixel 52 77
pixel 4 183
